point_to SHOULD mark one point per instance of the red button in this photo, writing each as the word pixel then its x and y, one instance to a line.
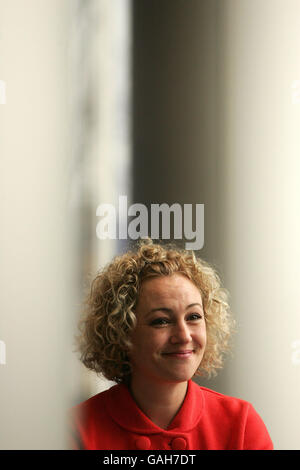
pixel 142 443
pixel 179 443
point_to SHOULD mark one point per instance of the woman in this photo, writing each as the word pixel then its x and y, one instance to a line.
pixel 156 318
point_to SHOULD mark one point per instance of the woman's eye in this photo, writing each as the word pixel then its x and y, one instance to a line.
pixel 160 322
pixel 195 316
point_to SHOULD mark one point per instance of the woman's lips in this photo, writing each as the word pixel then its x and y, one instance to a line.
pixel 180 354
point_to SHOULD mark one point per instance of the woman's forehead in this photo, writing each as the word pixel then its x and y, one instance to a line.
pixel 174 288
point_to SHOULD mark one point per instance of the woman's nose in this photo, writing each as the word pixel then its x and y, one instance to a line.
pixel 181 333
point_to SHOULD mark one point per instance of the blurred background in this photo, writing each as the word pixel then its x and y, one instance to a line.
pixel 177 101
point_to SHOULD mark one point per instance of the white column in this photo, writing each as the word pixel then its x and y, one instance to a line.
pixel 37 230
pixel 101 63
pixel 259 155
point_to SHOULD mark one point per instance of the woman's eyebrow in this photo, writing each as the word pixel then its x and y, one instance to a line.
pixel 160 309
pixel 169 310
pixel 193 305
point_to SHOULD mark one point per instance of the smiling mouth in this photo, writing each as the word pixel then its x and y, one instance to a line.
pixel 180 354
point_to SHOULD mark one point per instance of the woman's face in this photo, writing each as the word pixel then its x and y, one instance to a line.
pixel 170 337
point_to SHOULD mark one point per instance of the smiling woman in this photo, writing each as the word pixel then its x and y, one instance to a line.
pixel 154 319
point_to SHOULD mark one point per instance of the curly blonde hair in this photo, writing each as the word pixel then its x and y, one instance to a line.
pixel 110 317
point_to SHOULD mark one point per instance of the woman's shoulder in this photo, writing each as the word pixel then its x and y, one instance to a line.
pixel 211 394
pixel 235 414
pixel 213 400
pixel 231 408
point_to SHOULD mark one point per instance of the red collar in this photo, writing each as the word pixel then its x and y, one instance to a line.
pixel 123 410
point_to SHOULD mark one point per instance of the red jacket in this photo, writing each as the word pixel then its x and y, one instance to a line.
pixel 206 420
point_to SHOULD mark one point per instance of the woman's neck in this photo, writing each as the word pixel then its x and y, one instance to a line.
pixel 160 401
